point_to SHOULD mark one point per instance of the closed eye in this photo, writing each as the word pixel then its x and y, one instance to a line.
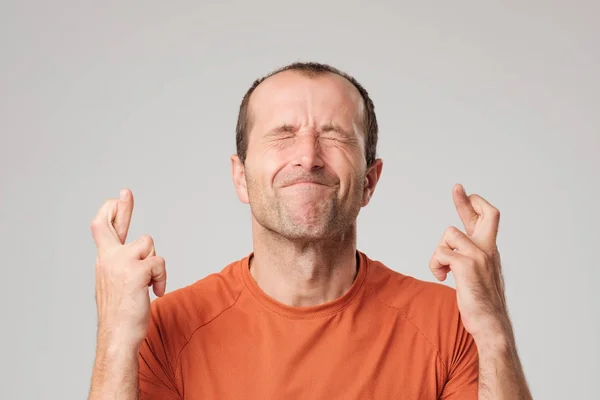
pixel 281 132
pixel 336 132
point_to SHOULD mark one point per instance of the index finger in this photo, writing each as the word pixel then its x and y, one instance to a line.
pixel 102 227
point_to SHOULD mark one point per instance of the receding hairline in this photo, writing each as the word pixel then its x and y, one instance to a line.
pixel 311 74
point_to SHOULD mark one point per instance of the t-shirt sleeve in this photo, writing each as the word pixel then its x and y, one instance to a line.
pixel 156 376
pixel 462 367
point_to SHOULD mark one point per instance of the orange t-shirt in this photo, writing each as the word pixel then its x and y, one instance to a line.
pixel 390 336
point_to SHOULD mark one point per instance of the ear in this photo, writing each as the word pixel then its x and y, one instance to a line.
pixel 371 178
pixel 238 175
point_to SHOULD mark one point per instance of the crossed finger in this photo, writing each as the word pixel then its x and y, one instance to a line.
pixel 111 223
pixel 480 218
pixel 454 252
pixel 103 231
pixel 123 217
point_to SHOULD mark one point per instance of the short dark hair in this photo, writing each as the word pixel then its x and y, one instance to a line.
pixel 310 69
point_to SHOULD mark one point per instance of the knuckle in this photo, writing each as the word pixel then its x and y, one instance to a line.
pixel 156 267
pixel 452 231
pixel 146 239
pixel 96 224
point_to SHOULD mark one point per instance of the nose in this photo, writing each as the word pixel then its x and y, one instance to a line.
pixel 308 154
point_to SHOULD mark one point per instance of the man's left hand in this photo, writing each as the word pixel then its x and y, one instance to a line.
pixel 474 260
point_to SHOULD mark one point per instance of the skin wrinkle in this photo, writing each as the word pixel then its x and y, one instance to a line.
pixel 305 129
pixel 306 182
pixel 308 122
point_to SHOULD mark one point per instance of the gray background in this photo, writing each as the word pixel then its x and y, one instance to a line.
pixel 95 96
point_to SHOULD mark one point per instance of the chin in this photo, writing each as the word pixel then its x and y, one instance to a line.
pixel 304 235
pixel 308 231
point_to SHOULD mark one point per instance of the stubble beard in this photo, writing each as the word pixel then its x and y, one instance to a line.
pixel 305 221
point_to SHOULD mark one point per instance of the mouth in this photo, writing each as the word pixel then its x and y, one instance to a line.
pixel 305 184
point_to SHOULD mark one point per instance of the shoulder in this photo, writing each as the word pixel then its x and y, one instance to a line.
pixel 430 306
pixel 179 313
pixel 408 293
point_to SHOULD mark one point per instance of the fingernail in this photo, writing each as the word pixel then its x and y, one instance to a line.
pixel 123 195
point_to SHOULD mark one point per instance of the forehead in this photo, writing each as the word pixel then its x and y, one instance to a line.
pixel 295 97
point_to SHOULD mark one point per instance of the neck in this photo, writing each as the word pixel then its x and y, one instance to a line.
pixel 302 273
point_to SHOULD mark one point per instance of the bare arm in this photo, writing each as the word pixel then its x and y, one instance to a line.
pixel 115 373
pixel 501 375
pixel 474 260
pixel 124 273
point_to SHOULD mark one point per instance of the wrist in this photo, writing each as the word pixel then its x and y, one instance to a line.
pixel 498 342
pixel 114 340
pixel 115 370
pixel 493 343
pixel 494 333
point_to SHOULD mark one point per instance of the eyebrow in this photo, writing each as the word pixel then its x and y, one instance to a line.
pixel 335 128
pixel 285 128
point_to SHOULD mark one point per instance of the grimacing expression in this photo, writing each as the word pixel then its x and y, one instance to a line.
pixel 305 168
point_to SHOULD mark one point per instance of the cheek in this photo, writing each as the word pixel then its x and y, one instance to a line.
pixel 273 160
pixel 263 167
pixel 349 167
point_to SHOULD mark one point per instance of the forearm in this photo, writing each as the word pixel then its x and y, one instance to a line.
pixel 115 373
pixel 501 375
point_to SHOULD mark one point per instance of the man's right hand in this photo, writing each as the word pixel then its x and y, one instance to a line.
pixel 123 274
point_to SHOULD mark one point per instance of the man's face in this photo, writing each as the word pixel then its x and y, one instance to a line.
pixel 305 169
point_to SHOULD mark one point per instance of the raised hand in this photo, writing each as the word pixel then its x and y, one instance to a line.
pixel 474 260
pixel 123 274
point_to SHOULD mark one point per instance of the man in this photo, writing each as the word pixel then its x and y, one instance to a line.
pixel 306 315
